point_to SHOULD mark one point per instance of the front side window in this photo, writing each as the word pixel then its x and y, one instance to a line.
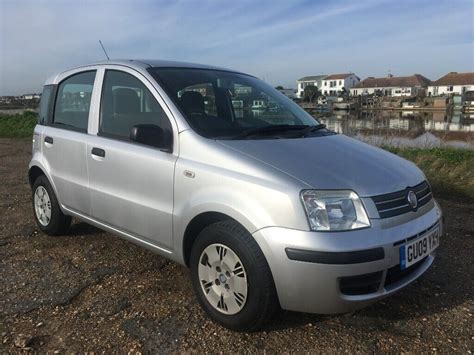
pixel 227 105
pixel 73 100
pixel 127 104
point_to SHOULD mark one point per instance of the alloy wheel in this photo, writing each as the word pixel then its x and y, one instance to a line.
pixel 42 206
pixel 223 278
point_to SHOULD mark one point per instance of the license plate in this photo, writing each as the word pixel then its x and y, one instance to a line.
pixel 416 250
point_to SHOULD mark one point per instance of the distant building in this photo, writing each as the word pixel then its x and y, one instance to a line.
pixel 392 86
pixel 452 83
pixel 30 97
pixel 291 93
pixel 335 84
pixel 315 80
pixel 7 99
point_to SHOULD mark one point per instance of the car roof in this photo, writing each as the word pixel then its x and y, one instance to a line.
pixel 141 65
pixel 155 63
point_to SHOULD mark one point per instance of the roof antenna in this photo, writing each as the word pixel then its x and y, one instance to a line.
pixel 104 49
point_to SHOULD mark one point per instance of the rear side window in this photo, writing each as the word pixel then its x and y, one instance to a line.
pixel 71 110
pixel 126 102
pixel 45 106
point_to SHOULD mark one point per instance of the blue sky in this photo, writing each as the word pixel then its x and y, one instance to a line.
pixel 279 41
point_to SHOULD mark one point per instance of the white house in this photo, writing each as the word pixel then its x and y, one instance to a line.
pixel 315 80
pixel 336 83
pixel 392 85
pixel 452 83
pixel 30 96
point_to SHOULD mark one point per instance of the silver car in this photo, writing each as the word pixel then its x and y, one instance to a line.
pixel 218 171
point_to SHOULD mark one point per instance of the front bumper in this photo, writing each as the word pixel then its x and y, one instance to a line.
pixel 314 285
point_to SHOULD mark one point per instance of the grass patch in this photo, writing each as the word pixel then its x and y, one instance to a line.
pixel 450 171
pixel 19 125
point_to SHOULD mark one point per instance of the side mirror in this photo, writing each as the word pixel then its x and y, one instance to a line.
pixel 151 135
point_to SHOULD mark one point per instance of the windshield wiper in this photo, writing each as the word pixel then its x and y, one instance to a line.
pixel 264 130
pixel 311 129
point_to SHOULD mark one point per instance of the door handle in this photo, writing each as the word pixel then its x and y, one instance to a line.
pixel 48 140
pixel 98 152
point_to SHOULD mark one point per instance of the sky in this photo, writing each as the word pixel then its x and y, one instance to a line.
pixel 278 41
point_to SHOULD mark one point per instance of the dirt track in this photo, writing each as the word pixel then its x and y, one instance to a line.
pixel 91 291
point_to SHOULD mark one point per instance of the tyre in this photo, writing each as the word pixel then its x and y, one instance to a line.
pixel 231 277
pixel 48 215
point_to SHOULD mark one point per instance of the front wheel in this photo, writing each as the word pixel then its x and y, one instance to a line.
pixel 231 277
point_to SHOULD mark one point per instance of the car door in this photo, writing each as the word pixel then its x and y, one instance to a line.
pixel 65 140
pixel 131 184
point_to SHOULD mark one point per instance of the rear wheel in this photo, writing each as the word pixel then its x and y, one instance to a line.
pixel 48 215
pixel 231 277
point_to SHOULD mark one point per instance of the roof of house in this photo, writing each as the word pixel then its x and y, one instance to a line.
pixel 454 78
pixel 394 81
pixel 338 76
pixel 312 78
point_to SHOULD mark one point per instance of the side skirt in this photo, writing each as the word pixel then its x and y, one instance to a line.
pixel 125 235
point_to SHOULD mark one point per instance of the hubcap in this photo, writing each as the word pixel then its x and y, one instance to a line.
pixel 223 279
pixel 42 206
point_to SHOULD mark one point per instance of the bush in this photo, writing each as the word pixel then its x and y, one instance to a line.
pixel 19 125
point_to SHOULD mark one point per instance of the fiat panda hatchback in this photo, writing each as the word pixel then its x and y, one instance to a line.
pixel 218 171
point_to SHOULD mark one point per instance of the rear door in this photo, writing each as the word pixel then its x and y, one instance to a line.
pixel 65 140
pixel 131 184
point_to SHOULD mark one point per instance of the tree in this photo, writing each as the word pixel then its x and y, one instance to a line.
pixel 279 87
pixel 310 93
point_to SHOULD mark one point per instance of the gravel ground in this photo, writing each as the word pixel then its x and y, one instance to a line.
pixel 91 291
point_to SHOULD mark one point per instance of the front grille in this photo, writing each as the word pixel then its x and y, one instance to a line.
pixel 396 203
pixel 361 284
pixel 395 274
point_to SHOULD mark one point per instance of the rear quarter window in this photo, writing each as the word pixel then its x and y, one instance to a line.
pixel 45 106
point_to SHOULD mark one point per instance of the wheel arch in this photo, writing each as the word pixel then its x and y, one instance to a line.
pixel 33 173
pixel 196 225
pixel 35 170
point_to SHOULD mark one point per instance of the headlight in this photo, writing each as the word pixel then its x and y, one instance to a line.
pixel 338 210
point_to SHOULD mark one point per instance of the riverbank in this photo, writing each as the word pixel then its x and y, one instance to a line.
pixel 450 171
pixel 437 104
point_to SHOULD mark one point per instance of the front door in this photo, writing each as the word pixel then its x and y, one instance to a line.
pixel 131 184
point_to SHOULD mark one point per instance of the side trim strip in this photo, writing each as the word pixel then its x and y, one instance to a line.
pixel 118 232
pixel 341 258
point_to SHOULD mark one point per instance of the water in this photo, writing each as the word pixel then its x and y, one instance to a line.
pixel 403 128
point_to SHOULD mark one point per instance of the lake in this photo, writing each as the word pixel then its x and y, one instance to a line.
pixel 403 128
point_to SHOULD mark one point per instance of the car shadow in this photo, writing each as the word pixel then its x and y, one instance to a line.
pixel 82 228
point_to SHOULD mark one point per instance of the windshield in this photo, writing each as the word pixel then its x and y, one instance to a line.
pixel 227 105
